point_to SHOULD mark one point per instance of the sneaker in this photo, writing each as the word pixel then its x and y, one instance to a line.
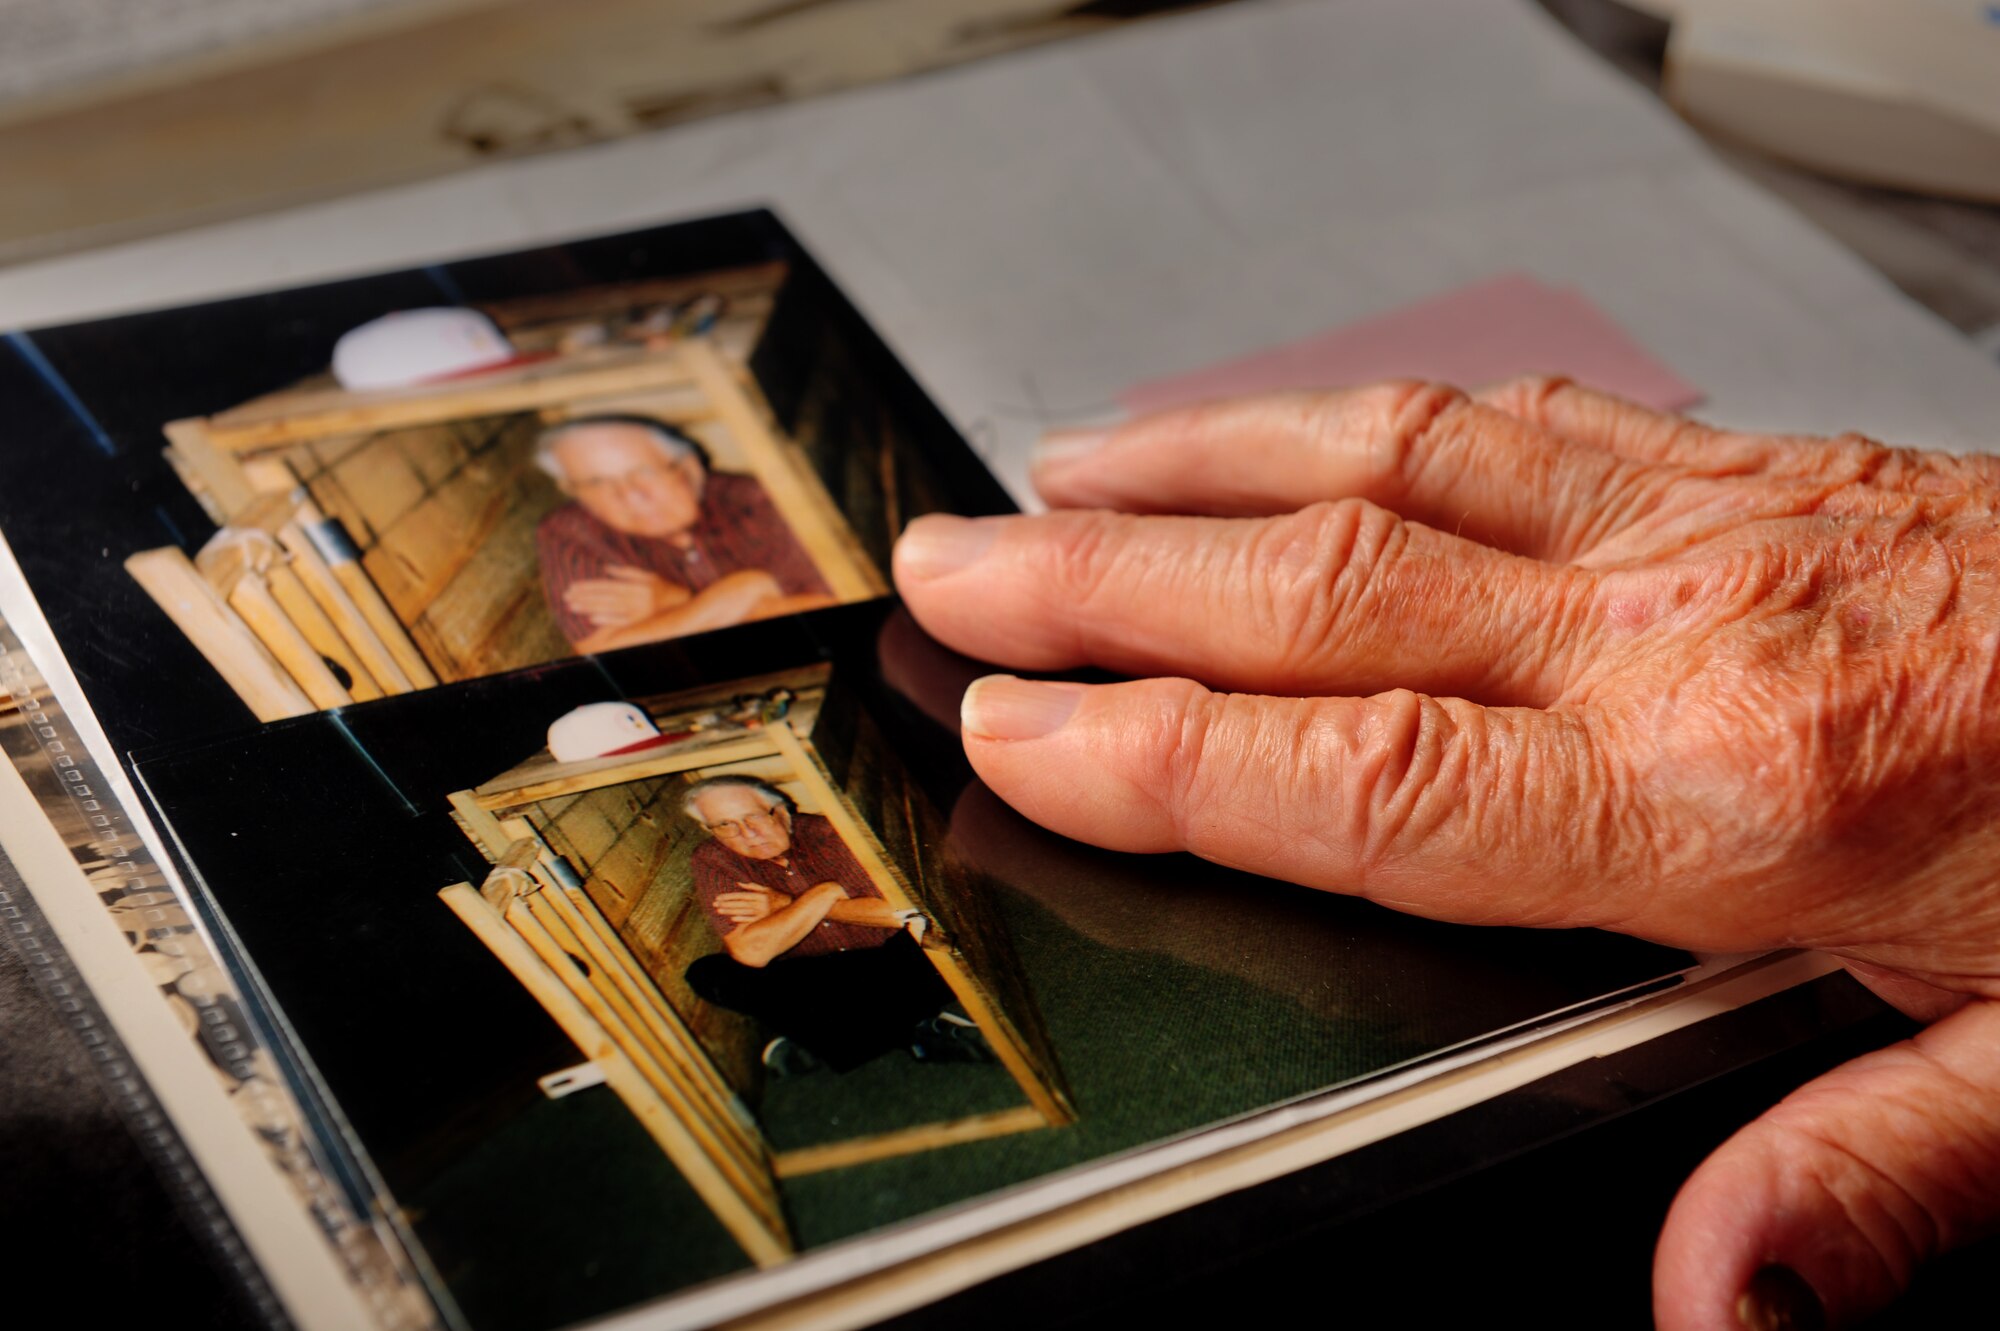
pixel 949 1038
pixel 785 1058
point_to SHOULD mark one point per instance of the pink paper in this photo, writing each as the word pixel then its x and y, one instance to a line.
pixel 1478 334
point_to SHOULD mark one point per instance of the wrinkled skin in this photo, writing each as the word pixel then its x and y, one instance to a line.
pixel 1543 657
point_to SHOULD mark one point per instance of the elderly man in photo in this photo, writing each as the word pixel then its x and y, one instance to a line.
pixel 655 545
pixel 810 947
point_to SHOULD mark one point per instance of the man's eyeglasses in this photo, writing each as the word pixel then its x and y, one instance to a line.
pixel 735 827
pixel 624 480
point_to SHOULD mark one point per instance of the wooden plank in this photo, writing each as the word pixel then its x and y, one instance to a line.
pixel 724 1181
pixel 766 1244
pixel 971 995
pixel 320 456
pixel 269 475
pixel 220 474
pixel 787 488
pixel 251 598
pixel 179 589
pixel 267 513
pixel 195 485
pixel 481 826
pixel 354 580
pixel 748 290
pixel 381 481
pixel 375 612
pixel 707 1098
pixel 492 615
pixel 435 453
pixel 845 548
pixel 234 561
pixel 584 828
pixel 293 417
pixel 312 622
pixel 632 862
pixel 547 779
pixel 412 562
pixel 905 1141
pixel 592 822
pixel 839 547
pixel 685 407
pixel 656 1018
pixel 346 617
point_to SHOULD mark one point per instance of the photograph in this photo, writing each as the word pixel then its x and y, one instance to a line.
pixel 472 489
pixel 694 890
pixel 293 500
pixel 631 976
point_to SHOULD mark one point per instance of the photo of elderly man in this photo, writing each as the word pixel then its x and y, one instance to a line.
pixel 810 947
pixel 653 544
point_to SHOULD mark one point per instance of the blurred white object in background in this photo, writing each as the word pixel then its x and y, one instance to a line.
pixel 412 346
pixel 1888 92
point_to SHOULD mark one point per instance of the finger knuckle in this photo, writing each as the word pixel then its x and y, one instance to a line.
pixel 1314 573
pixel 1084 563
pixel 1240 776
pixel 1422 420
pixel 1403 746
pixel 1427 772
pixel 1176 731
pixel 1538 390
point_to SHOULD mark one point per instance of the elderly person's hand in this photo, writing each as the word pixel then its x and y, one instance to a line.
pixel 1542 657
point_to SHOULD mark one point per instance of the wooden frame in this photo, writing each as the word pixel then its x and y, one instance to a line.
pixel 306 616
pixel 535 912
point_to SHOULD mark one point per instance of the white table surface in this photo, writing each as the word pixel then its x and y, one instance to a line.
pixel 1035 232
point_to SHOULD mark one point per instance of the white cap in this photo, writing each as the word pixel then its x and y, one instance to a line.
pixel 600 729
pixel 412 346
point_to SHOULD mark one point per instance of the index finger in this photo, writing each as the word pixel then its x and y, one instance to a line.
pixel 1432 806
pixel 1337 598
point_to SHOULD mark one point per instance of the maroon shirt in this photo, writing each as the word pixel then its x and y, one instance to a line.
pixel 737 529
pixel 818 855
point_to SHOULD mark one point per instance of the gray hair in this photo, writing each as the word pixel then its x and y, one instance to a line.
pixel 776 798
pixel 673 445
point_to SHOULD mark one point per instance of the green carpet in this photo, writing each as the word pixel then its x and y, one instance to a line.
pixel 572 1210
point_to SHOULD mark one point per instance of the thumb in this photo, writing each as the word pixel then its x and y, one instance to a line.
pixel 1851 1183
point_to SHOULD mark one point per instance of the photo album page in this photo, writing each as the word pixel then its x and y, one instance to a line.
pixel 476 698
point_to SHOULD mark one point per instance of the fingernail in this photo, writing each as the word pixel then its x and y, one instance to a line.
pixel 1003 707
pixel 939 543
pixel 1060 447
pixel 1779 1299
